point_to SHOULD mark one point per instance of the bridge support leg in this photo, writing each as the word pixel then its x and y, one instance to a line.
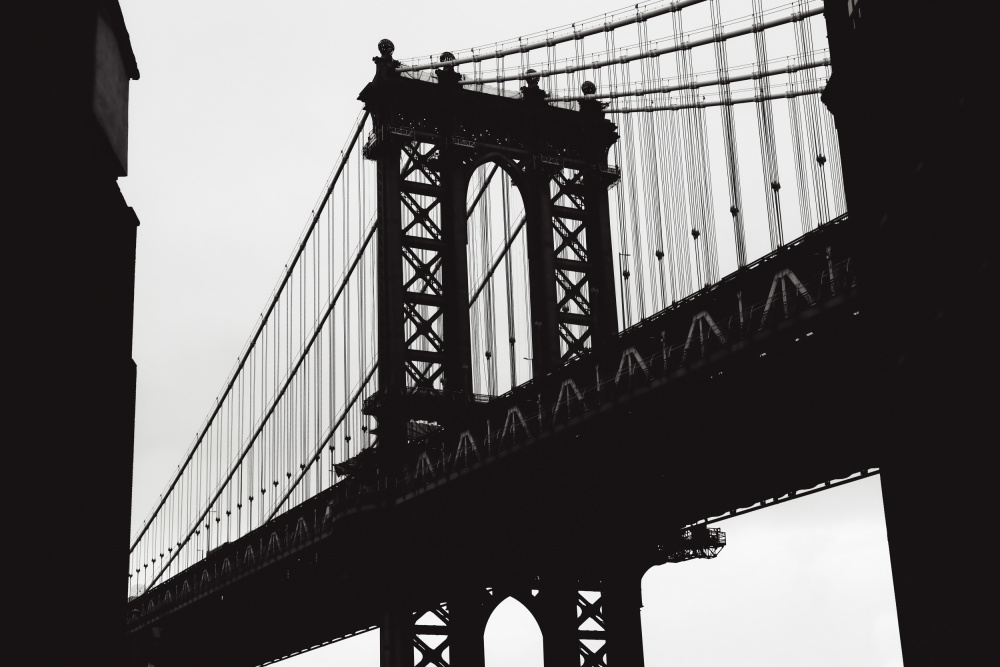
pixel 444 635
pixel 546 353
pixel 589 625
pixel 622 600
pixel 396 637
pixel 558 621
pixel 592 626
pixel 466 628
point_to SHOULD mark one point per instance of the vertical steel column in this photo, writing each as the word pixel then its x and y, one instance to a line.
pixel 603 301
pixel 621 603
pixel 456 638
pixel 455 273
pixel 558 621
pixel 607 630
pixel 391 376
pixel 599 135
pixel 548 268
pixel 466 629
pixel 390 265
pixel 392 379
pixel 396 637
pixel 541 271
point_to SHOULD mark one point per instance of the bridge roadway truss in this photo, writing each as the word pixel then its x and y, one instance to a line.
pixel 564 491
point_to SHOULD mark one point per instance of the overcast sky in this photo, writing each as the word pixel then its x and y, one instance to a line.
pixel 235 125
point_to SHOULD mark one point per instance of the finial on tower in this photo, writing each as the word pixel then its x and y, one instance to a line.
pixel 532 92
pixel 446 73
pixel 590 105
pixel 384 62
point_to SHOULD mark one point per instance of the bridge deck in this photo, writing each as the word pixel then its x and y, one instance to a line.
pixel 744 392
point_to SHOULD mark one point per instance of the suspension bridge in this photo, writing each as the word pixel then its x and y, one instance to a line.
pixel 565 302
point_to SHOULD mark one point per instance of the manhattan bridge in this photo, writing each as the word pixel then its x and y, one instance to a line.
pixel 566 301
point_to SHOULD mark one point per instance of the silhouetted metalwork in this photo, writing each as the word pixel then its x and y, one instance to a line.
pixel 719 396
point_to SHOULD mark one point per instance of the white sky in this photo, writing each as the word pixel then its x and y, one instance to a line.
pixel 238 118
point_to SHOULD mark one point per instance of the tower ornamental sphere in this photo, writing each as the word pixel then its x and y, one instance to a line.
pixel 588 88
pixel 386 47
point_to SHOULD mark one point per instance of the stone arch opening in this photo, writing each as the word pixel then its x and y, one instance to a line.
pixel 513 637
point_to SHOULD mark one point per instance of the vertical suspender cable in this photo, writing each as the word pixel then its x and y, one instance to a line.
pixel 765 126
pixel 803 33
pixel 799 150
pixel 664 239
pixel 651 172
pixel 836 173
pixel 505 186
pixel 729 137
pixel 625 314
pixel 710 246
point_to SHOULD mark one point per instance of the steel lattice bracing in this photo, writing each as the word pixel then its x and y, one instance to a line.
pixel 423 250
pixel 585 623
pixel 575 240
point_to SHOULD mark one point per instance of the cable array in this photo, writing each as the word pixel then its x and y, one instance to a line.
pixel 289 415
pixel 712 98
pixel 681 81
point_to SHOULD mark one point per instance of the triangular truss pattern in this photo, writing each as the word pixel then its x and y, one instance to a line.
pixel 572 614
pixel 431 637
pixel 591 630
pixel 571 263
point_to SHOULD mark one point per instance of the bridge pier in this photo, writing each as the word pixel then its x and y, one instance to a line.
pixel 582 624
pixel 468 623
pixel 622 601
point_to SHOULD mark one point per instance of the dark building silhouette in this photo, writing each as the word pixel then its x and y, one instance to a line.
pixel 70 256
pixel 916 129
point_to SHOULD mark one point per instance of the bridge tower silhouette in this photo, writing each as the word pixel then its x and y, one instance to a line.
pixel 556 157
pixel 561 492
pixel 428 140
